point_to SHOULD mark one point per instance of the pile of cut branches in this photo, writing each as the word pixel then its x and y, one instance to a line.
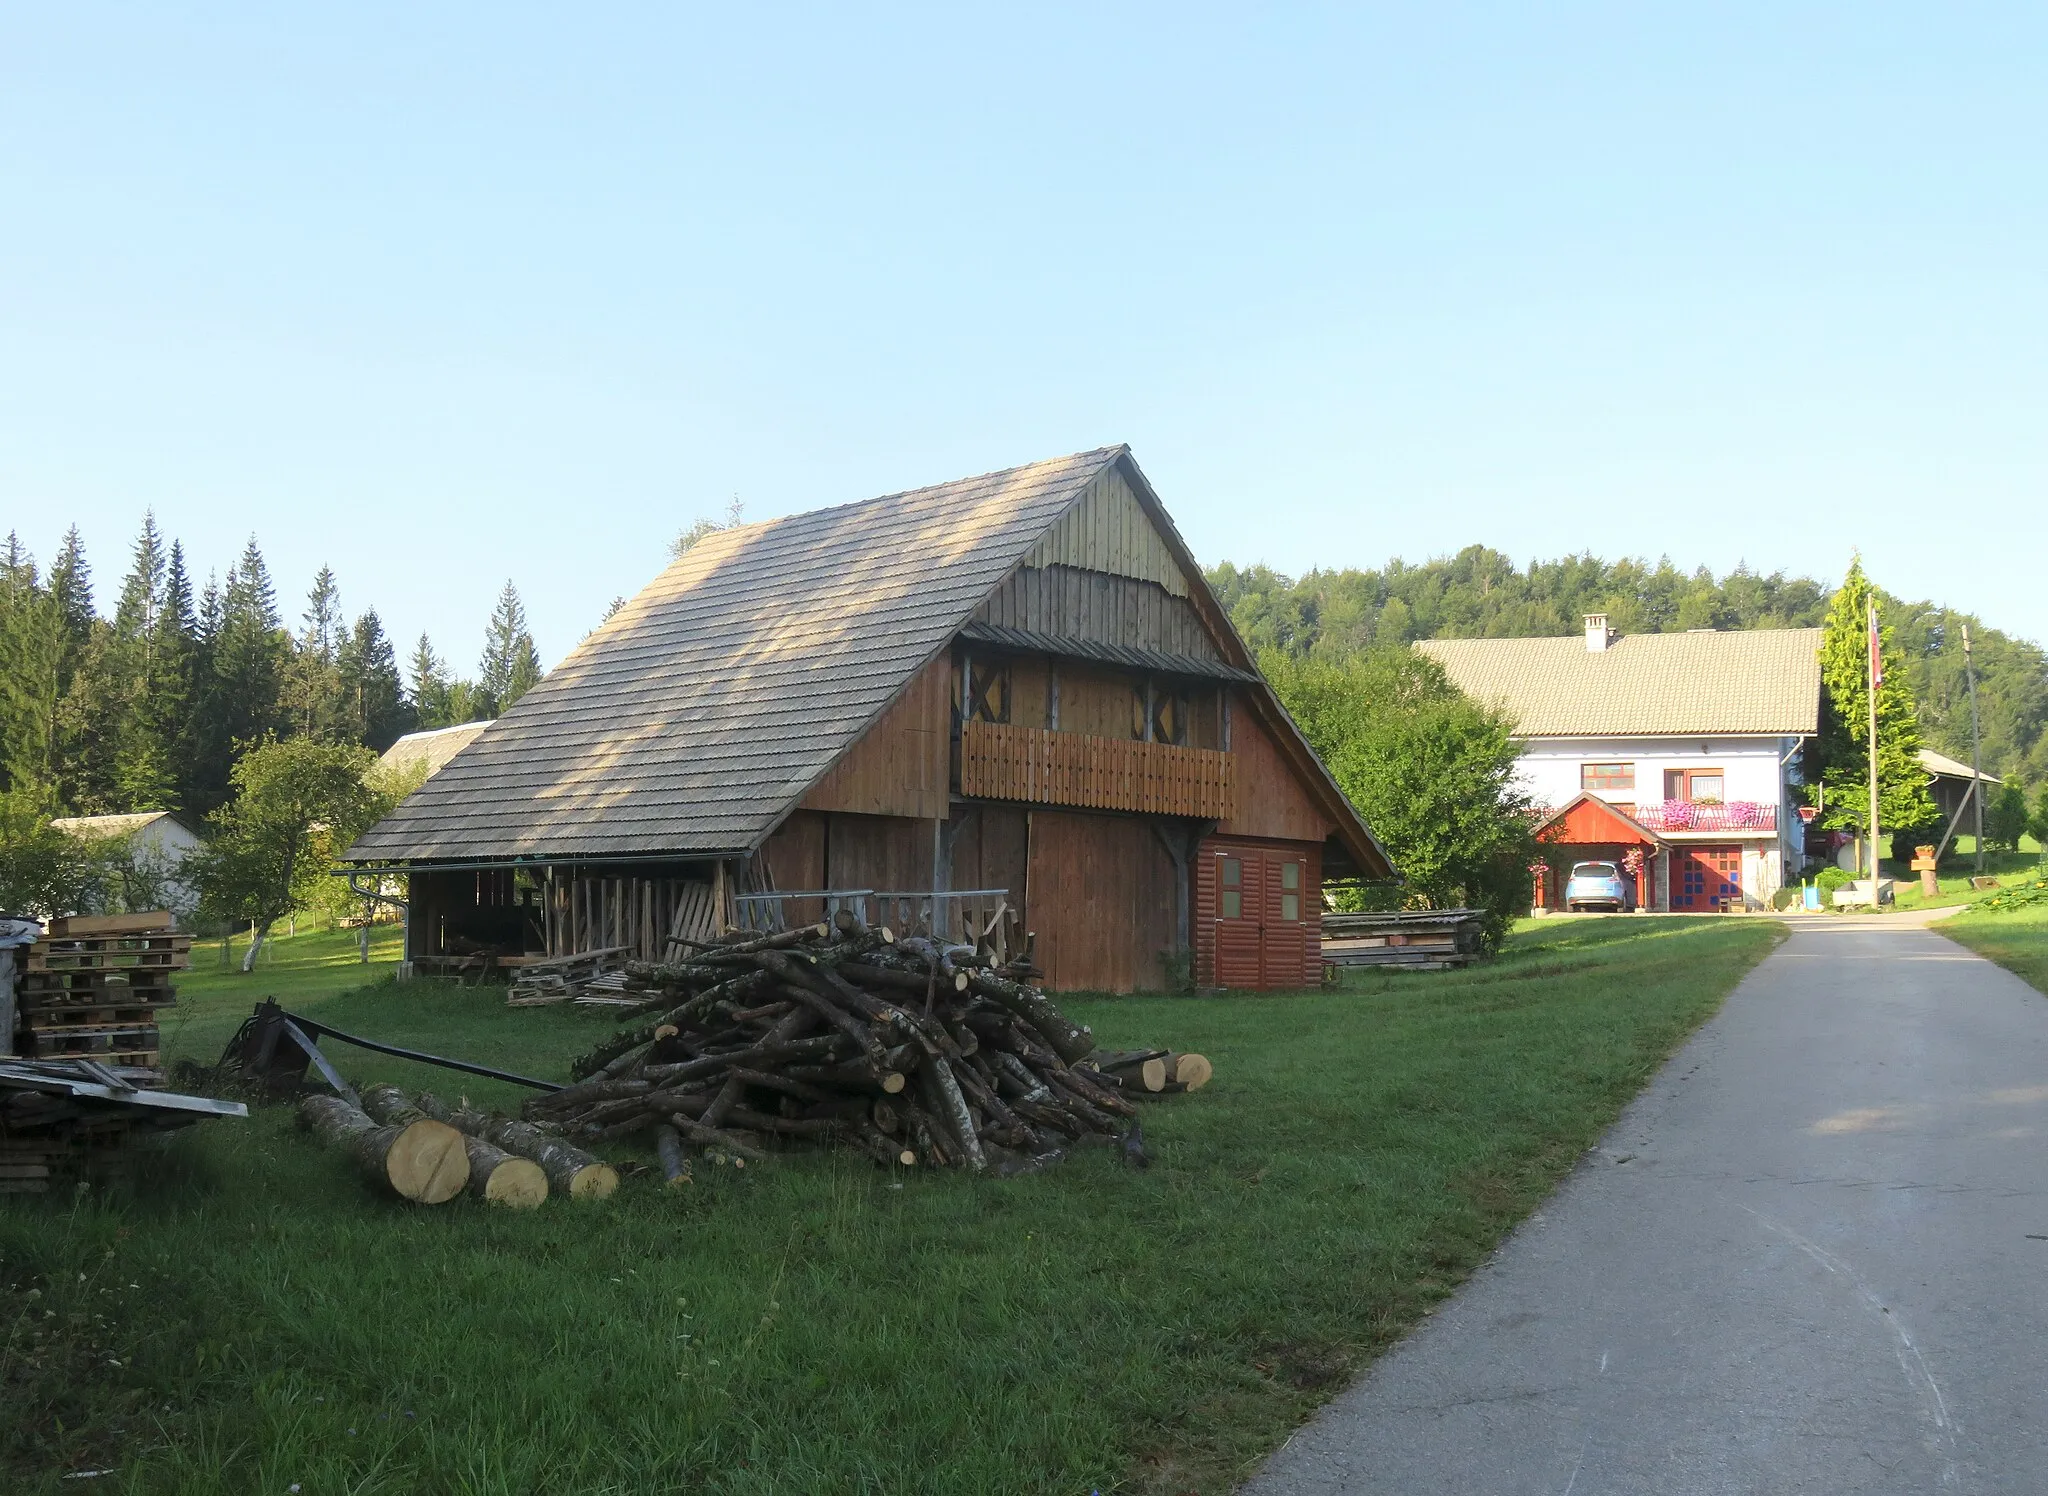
pixel 907 1050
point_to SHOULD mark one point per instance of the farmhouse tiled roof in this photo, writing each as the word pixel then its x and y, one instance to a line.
pixel 1762 681
pixel 693 718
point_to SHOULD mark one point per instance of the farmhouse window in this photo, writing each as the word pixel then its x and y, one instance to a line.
pixel 1290 891
pixel 1694 784
pixel 1601 778
pixel 1230 875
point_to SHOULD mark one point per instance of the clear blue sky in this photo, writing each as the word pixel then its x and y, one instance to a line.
pixel 442 295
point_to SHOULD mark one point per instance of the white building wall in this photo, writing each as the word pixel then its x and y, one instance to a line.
pixel 1755 769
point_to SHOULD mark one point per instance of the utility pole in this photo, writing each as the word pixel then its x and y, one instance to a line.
pixel 1976 749
pixel 1876 680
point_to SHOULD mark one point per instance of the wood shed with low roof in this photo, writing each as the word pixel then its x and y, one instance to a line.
pixel 1001 706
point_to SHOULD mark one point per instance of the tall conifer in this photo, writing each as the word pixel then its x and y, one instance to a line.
pixel 1902 799
pixel 511 665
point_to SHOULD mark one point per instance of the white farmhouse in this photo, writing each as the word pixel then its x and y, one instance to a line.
pixel 1683 747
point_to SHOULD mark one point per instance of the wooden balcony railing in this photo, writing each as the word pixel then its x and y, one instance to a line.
pixel 1001 762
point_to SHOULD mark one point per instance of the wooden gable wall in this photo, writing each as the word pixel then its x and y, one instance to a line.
pixel 1107 530
pixel 900 766
pixel 1272 802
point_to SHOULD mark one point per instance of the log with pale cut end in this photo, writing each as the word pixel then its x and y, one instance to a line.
pixel 568 1169
pixel 1190 1071
pixel 675 1164
pixel 495 1176
pixel 421 1160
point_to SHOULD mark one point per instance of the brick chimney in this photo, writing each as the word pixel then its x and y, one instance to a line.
pixel 1598 635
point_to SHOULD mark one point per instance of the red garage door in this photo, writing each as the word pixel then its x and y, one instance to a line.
pixel 1706 879
pixel 1264 916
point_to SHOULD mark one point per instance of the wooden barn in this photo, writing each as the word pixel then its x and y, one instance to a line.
pixel 1006 707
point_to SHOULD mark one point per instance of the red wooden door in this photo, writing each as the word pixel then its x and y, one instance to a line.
pixel 1240 886
pixel 1265 921
pixel 1706 879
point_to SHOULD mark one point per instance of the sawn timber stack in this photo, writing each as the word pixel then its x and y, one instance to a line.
pixel 908 1051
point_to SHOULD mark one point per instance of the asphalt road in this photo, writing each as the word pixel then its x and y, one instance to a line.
pixel 1812 1257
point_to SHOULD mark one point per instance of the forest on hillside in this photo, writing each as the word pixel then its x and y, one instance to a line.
pixel 1482 594
pixel 150 704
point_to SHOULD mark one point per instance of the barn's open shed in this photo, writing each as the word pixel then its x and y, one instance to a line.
pixel 999 706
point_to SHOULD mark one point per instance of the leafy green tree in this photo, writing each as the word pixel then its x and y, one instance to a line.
pixel 735 516
pixel 44 872
pixel 296 805
pixel 2006 814
pixel 1430 770
pixel 511 665
pixel 2037 824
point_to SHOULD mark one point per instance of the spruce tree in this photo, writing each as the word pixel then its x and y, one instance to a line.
pixel 205 752
pixel 1902 802
pixel 376 711
pixel 177 661
pixel 511 665
pixel 250 653
pixel 142 771
pixel 29 650
pixel 431 687
pixel 315 691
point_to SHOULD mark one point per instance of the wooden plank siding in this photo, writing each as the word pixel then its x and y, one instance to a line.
pixel 1000 761
pixel 1271 800
pixel 1102 900
pixel 1100 606
pixel 1108 530
pixel 899 766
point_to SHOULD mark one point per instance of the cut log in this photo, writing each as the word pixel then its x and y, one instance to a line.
pixel 1069 1040
pixel 1189 1071
pixel 495 1176
pixel 568 1169
pixel 675 1164
pixel 423 1160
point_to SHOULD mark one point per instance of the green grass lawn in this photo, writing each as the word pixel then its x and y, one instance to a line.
pixel 2016 939
pixel 814 1325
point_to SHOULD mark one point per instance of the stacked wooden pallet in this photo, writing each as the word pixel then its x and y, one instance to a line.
pixel 1419 939
pixel 94 988
pixel 62 1118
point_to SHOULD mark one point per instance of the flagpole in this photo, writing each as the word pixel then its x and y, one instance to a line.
pixel 1876 680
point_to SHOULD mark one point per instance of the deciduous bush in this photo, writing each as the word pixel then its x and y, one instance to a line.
pixel 1430 770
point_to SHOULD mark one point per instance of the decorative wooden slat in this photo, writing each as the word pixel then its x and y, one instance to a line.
pixel 999 761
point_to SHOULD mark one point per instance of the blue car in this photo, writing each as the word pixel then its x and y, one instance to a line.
pixel 1599 885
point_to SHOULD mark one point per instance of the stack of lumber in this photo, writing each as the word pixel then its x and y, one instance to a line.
pixel 61 1117
pixel 840 1034
pixel 94 986
pixel 538 981
pixel 1420 939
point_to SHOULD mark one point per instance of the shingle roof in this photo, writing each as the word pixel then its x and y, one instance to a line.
pixel 1736 681
pixel 1948 768
pixel 693 718
pixel 432 748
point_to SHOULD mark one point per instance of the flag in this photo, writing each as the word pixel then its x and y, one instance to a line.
pixel 1876 653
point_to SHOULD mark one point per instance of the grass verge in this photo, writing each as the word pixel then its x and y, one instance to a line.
pixel 2016 939
pixel 244 1316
